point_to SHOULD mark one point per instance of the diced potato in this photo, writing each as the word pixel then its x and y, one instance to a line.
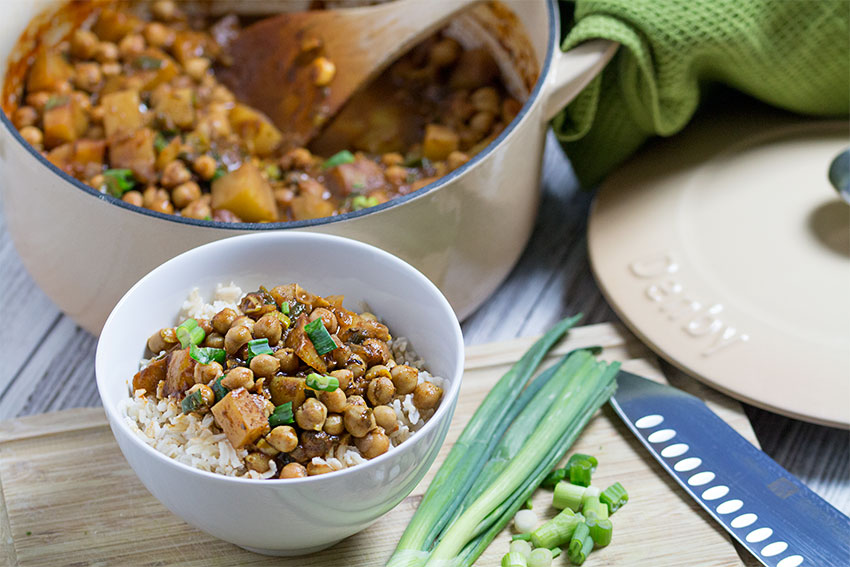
pixel 189 44
pixel 49 70
pixel 303 346
pixel 121 113
pixel 64 122
pixel 149 76
pixel 246 193
pixel 180 372
pixel 287 389
pixel 175 107
pixel 360 176
pixel 112 25
pixel 76 157
pixel 168 154
pixel 135 151
pixel 310 207
pixel 258 133
pixel 148 377
pixel 439 142
pixel 241 417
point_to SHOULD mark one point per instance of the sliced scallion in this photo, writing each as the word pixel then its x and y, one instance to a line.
pixel 147 63
pixel 192 402
pixel 207 355
pixel 580 472
pixel 540 557
pixel 338 158
pixel 258 347
pixel 614 497
pixel 514 559
pixel 556 551
pixel 568 496
pixel 118 181
pixel 591 506
pixel 284 308
pixel 601 530
pixel 320 337
pixel 219 390
pixel 360 202
pixel 189 333
pixel 521 537
pixel 556 531
pixel 581 545
pixel 555 477
pixel 320 382
pixel 281 415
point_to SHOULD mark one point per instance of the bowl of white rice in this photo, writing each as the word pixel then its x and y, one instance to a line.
pixel 182 461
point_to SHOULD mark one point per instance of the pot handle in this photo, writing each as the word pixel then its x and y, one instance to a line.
pixel 573 70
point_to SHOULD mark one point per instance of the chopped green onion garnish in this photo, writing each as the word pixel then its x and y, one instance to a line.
pixel 160 142
pixel 147 63
pixel 581 544
pixel 219 390
pixel 529 504
pixel 580 472
pixel 219 172
pixel 338 158
pixel 192 402
pixel 281 415
pixel 320 382
pixel 207 354
pixel 614 497
pixel 523 537
pixel 189 333
pixel 556 531
pixel 514 559
pixel 273 171
pixel 258 347
pixel 568 496
pixel 556 551
pixel 363 202
pixel 592 507
pixel 578 457
pixel 320 337
pixel 554 478
pixel 520 546
pixel 119 181
pixel 601 530
pixel 54 101
pixel 284 308
pixel 540 557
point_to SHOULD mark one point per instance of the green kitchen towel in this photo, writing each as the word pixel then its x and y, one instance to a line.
pixel 793 54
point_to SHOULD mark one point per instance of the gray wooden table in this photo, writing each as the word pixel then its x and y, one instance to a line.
pixel 47 362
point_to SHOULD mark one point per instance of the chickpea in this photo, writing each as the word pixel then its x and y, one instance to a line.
pixel 358 420
pixel 32 136
pixel 378 371
pixel 293 470
pixel 174 174
pixel 162 206
pixel 197 210
pixel 311 415
pixel 158 35
pixel 185 193
pixel 380 391
pixel 404 378
pixel 264 365
pixel 220 93
pixel 426 396
pixel 83 44
pixel 153 194
pixel 482 121
pixel 314 469
pixel 206 373
pixel 376 351
pixel 344 378
pixel 356 366
pixel 111 68
pixel 298 158
pixel 214 340
pixel 165 10
pixel 323 71
pixel 133 197
pixel 207 395
pixel 130 45
pixel 264 447
pixel 289 361
pixel 269 327
pixel 456 159
pixel 37 100
pixel 235 338
pixel 196 67
pixel 333 424
pixel 357 401
pixel 335 401
pixel 328 319
pixel 444 52
pixel 106 52
pixel 159 342
pixel 244 321
pixel 392 158
pixel 283 438
pixel 396 174
pixel 385 417
pixel 205 325
pixel 24 116
pixel 373 443
pixel 258 462
pixel 205 166
pixel 239 377
pixel 223 320
pixel 486 99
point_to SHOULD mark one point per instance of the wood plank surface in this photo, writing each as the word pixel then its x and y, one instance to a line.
pixel 41 348
pixel 68 493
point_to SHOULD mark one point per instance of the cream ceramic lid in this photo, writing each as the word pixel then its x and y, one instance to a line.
pixel 727 251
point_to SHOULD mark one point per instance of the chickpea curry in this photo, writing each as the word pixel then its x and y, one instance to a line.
pixel 130 104
pixel 288 376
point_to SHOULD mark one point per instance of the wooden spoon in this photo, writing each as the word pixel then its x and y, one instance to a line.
pixel 278 62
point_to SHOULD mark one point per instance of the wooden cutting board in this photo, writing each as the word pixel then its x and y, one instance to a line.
pixel 69 497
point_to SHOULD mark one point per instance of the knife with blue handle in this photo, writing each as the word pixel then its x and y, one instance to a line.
pixel 763 506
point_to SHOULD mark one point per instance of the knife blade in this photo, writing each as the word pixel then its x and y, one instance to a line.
pixel 764 507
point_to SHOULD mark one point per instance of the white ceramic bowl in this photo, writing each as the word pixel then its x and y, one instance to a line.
pixel 284 517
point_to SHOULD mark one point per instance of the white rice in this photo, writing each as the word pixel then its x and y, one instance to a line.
pixel 198 442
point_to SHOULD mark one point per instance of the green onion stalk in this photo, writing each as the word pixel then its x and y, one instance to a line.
pixel 470 453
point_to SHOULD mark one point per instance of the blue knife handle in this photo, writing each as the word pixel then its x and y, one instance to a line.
pixel 763 506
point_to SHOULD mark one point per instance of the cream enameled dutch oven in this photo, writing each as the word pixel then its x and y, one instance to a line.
pixel 464 231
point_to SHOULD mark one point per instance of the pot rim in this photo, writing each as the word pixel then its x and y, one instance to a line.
pixel 533 97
